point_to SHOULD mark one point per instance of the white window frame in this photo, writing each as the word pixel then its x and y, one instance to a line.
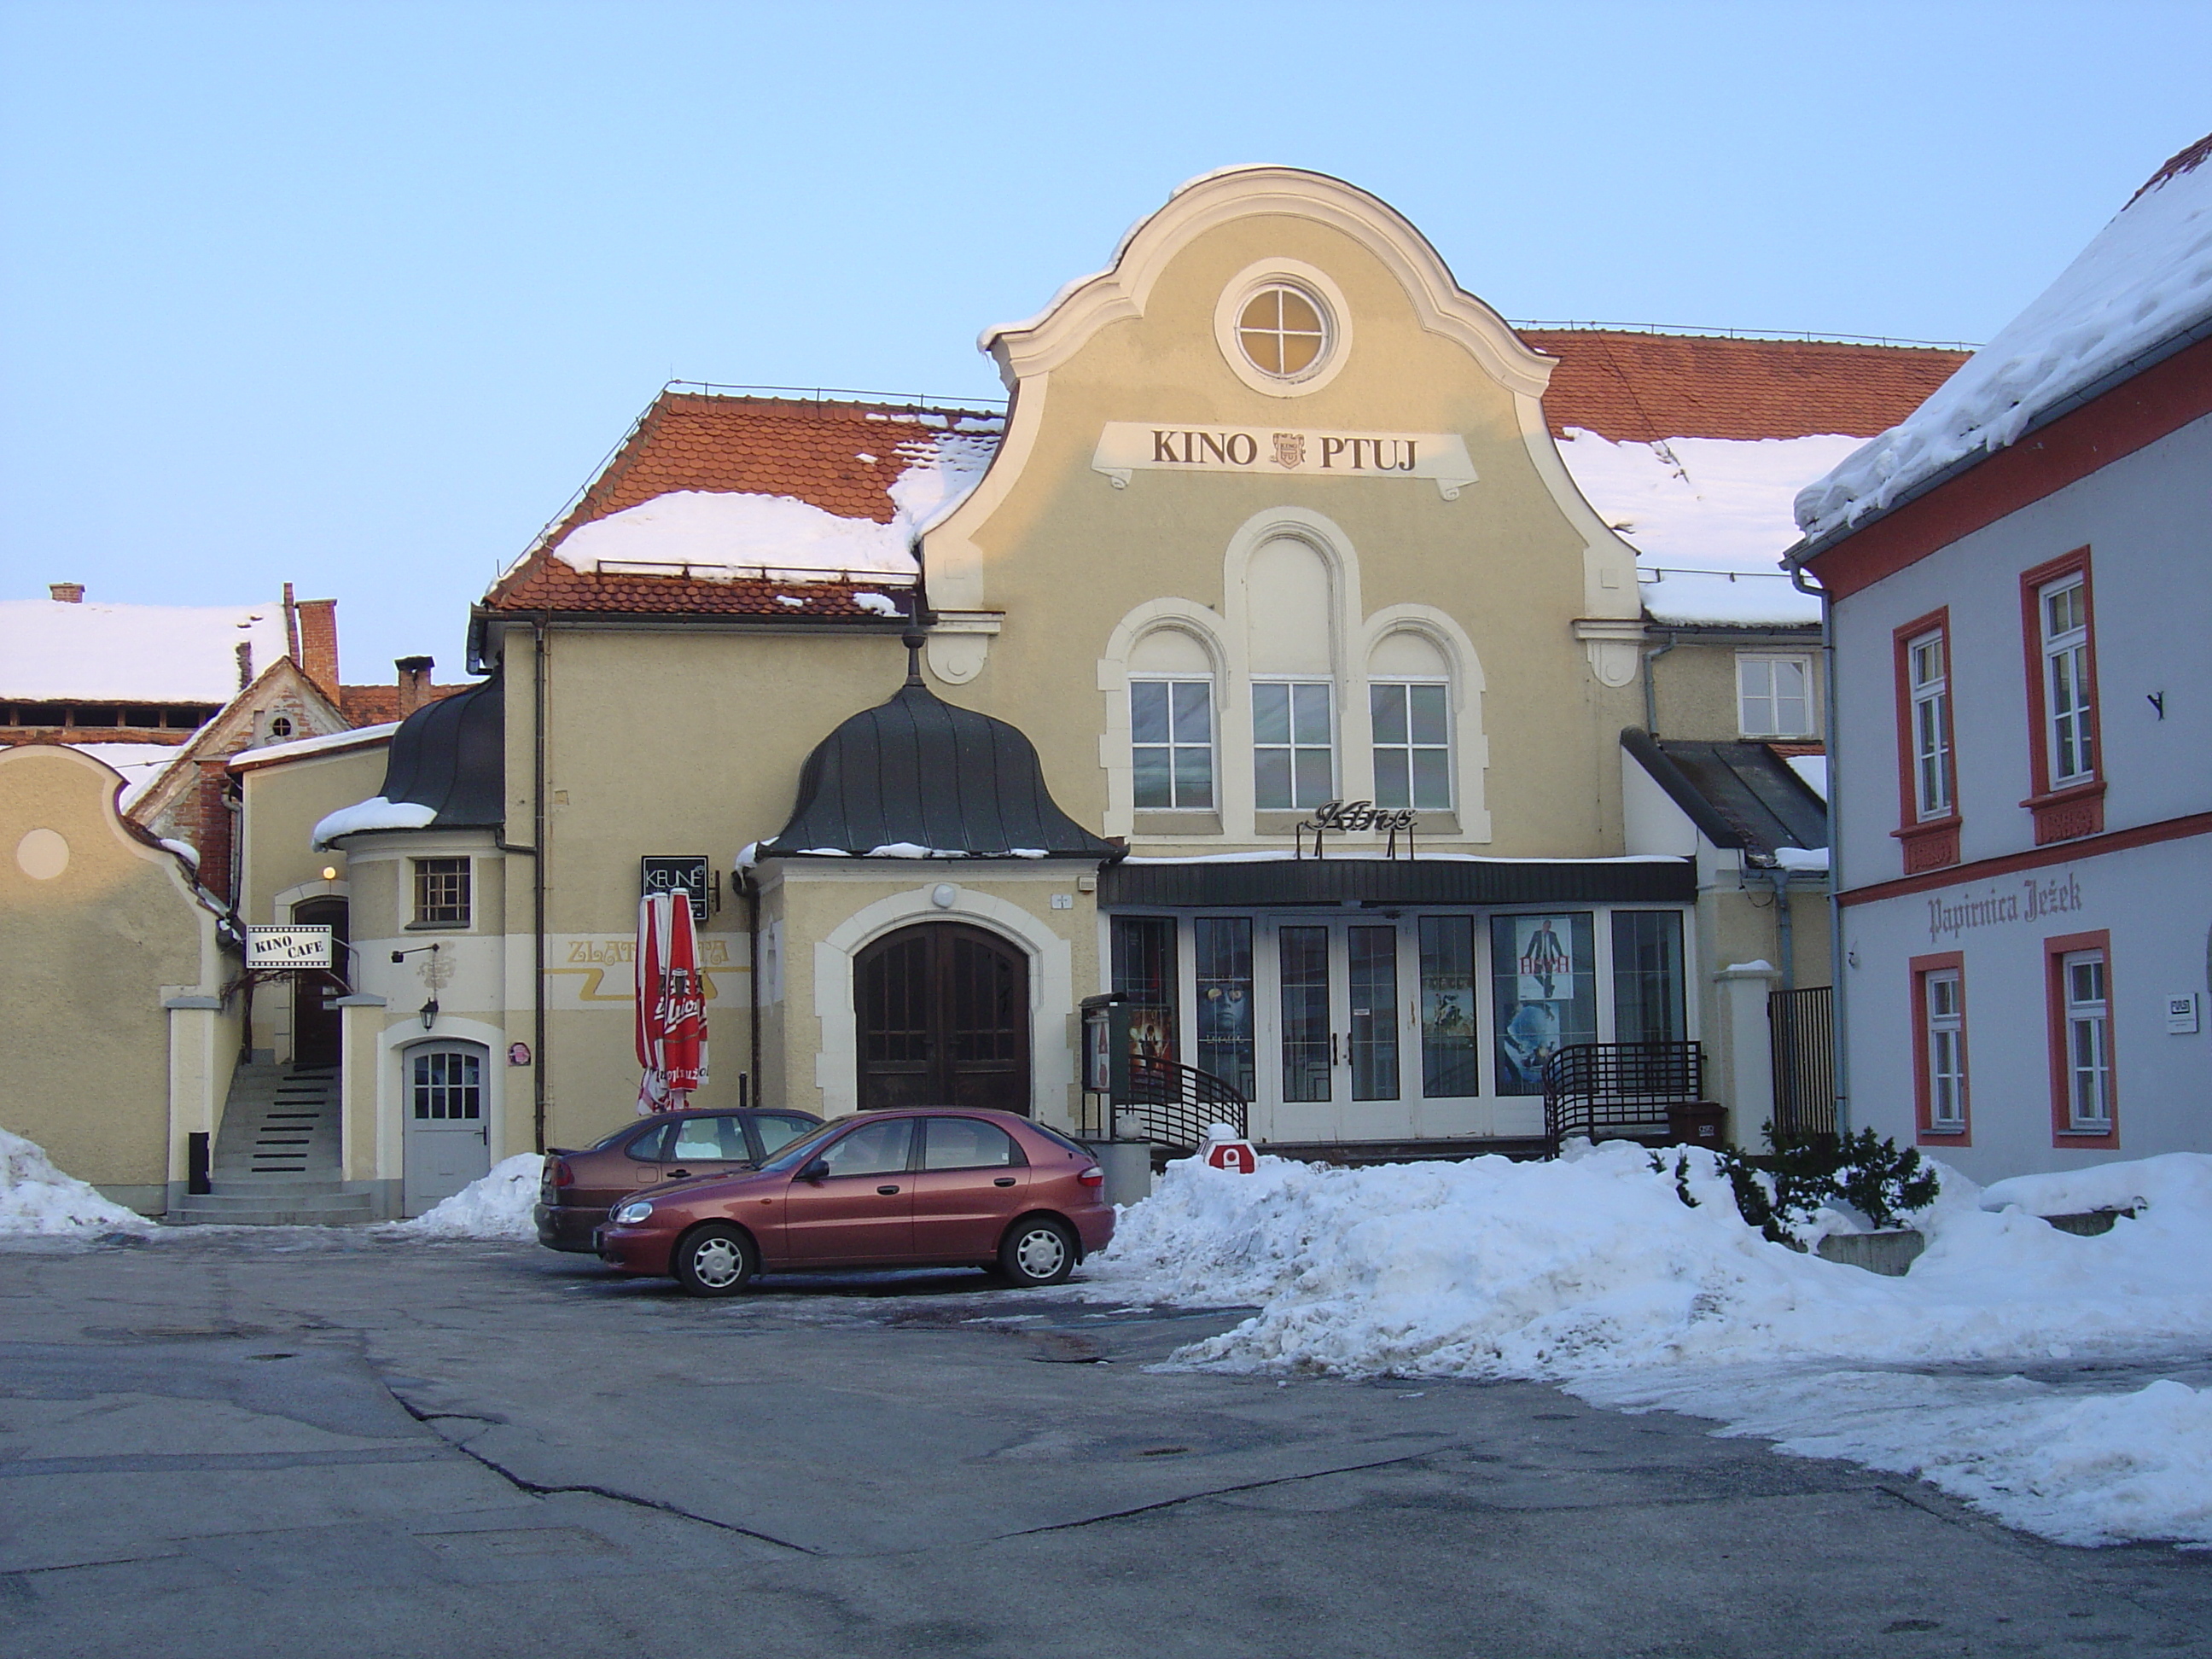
pixel 1293 748
pixel 1409 748
pixel 2089 1057
pixel 1175 747
pixel 1745 697
pixel 441 1097
pixel 1947 1049
pixel 2069 691
pixel 1935 783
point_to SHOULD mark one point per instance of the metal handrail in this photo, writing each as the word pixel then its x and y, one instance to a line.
pixel 1619 1088
pixel 1179 1103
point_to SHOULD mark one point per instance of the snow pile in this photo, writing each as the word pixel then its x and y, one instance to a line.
pixel 494 1205
pixel 2144 279
pixel 1591 1271
pixel 36 1199
pixel 52 650
pixel 716 534
pixel 374 813
pixel 1710 519
pixel 2173 1180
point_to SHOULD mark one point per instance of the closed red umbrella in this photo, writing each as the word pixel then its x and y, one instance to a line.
pixel 649 963
pixel 683 1017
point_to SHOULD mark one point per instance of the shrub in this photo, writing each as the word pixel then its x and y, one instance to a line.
pixel 1883 1181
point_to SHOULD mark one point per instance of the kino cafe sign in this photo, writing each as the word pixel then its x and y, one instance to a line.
pixel 1129 447
pixel 268 948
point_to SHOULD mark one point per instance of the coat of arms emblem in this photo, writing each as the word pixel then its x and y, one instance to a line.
pixel 1290 449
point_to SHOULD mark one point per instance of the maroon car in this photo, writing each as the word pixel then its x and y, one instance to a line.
pixel 576 1188
pixel 936 1186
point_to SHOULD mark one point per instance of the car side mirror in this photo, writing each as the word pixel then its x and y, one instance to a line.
pixel 817 1169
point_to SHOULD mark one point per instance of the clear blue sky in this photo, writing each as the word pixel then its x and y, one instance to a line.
pixel 357 295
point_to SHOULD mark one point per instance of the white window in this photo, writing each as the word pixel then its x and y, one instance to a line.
pixel 1945 1012
pixel 1774 696
pixel 1293 743
pixel 2067 693
pixel 1283 331
pixel 1171 743
pixel 1412 744
pixel 1928 674
pixel 2088 1041
pixel 447 1083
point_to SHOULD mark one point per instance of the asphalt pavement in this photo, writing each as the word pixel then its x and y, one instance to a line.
pixel 302 1442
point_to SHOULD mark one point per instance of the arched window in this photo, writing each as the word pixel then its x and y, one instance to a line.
pixel 1290 625
pixel 1171 723
pixel 1409 713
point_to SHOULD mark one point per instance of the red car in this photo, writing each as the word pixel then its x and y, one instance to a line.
pixel 576 1186
pixel 939 1187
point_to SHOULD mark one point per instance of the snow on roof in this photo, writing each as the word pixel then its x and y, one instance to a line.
pixel 1709 519
pixel 52 650
pixel 700 532
pixel 374 813
pixel 2144 280
pixel 330 743
pixel 139 762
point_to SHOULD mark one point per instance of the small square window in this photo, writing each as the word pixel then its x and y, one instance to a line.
pixel 441 892
pixel 1774 696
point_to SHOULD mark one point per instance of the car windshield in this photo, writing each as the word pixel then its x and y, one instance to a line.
pixel 798 1151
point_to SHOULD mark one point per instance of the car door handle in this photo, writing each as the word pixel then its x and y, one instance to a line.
pixel 679 1175
pixel 887 1191
pixel 1003 1180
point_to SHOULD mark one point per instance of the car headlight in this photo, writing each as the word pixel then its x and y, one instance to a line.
pixel 631 1214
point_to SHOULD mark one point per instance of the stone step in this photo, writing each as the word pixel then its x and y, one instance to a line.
pixel 332 1207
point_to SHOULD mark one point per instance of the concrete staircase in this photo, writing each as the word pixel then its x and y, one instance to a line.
pixel 275 1158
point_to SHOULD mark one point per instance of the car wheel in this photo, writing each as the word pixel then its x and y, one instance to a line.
pixel 715 1260
pixel 1039 1250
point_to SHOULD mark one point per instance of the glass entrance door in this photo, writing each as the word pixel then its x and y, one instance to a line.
pixel 1341 1025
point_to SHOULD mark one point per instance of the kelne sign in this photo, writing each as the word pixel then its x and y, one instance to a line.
pixel 1127 447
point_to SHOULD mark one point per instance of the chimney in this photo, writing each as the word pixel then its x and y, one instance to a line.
pixel 414 682
pixel 319 643
pixel 66 592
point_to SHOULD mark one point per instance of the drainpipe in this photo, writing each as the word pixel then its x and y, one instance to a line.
pixel 1650 692
pixel 539 701
pixel 1785 931
pixel 1839 995
pixel 751 889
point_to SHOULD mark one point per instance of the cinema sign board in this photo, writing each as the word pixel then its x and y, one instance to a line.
pixel 288 947
pixel 1126 448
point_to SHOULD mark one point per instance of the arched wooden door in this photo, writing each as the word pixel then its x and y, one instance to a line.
pixel 943 1019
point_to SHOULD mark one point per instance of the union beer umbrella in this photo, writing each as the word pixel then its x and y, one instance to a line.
pixel 671 1013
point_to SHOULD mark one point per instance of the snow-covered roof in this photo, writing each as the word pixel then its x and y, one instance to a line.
pixel 52 650
pixel 139 762
pixel 1709 519
pixel 329 744
pixel 2142 282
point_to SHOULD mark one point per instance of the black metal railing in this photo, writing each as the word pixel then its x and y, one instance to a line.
pixel 1801 1030
pixel 1619 1090
pixel 1172 1106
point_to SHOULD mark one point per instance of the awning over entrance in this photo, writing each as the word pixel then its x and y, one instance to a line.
pixel 1201 883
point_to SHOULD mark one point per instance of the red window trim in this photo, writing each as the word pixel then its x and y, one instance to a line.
pixel 2077 809
pixel 1923 1090
pixel 1928 843
pixel 2054 979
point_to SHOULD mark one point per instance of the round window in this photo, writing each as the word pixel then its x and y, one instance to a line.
pixel 1283 331
pixel 280 727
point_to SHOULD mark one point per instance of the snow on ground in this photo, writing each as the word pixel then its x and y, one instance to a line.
pixel 1591 1272
pixel 494 1205
pixel 134 653
pixel 2144 280
pixel 713 532
pixel 37 1199
pixel 1710 519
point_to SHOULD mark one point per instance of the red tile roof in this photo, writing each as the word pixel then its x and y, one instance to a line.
pixel 1622 385
pixel 1640 388
pixel 811 451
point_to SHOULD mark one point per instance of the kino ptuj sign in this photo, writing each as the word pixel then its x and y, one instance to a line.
pixel 665 872
pixel 288 947
pixel 1129 447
